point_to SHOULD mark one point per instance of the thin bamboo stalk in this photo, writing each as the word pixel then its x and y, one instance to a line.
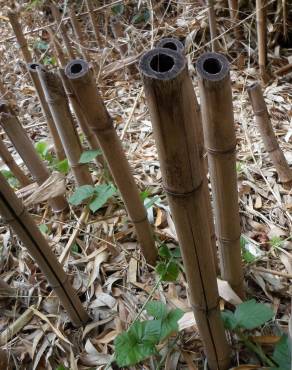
pixel 57 47
pixel 14 213
pixel 100 122
pixel 219 134
pixel 94 23
pixel 233 9
pixel 284 70
pixel 78 33
pixel 57 101
pixel 262 36
pixel 171 43
pixel 81 119
pixel 212 25
pixel 267 133
pixel 170 97
pixel 13 18
pixel 27 152
pixel 12 165
pixel 32 68
pixel 57 16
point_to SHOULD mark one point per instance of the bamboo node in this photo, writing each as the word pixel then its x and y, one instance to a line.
pixel 206 309
pixel 186 194
pixel 230 150
pixel 261 112
pixel 228 240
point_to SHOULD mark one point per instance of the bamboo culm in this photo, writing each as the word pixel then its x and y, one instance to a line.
pixel 100 122
pixel 174 116
pixel 220 140
pixel 14 213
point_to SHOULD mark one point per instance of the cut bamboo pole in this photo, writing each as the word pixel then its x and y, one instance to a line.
pixel 94 22
pixel 60 25
pixel 170 97
pixel 267 133
pixel 26 150
pixel 57 101
pixel 32 68
pixel 57 47
pixel 262 36
pixel 212 25
pixel 100 122
pixel 12 165
pixel 220 140
pixel 78 33
pixel 14 213
pixel 81 119
pixel 13 18
pixel 171 43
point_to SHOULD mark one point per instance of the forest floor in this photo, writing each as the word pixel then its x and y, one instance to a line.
pixel 105 264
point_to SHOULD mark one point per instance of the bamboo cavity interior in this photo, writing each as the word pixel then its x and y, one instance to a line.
pixel 213 66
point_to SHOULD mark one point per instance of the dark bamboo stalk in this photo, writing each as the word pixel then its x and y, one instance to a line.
pixel 14 213
pixel 12 165
pixel 57 101
pixel 233 10
pixel 212 25
pixel 170 97
pixel 267 133
pixel 27 152
pixel 94 22
pixel 100 122
pixel 171 43
pixel 57 16
pixel 57 47
pixel 261 15
pixel 78 33
pixel 60 153
pixel 219 133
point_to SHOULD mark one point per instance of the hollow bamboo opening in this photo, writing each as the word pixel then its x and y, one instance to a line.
pixel 171 43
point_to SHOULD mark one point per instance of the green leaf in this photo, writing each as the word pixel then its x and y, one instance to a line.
pixel 42 148
pixel 62 166
pixel 89 155
pixel 168 271
pixel 176 253
pixel 164 251
pixel 151 202
pixel 12 181
pixel 156 309
pixel 282 353
pixel 118 9
pixel 75 248
pixel 142 16
pixel 40 45
pixel 229 319
pixel 103 193
pixel 81 193
pixel 44 228
pixel 169 323
pixel 250 314
pixel 144 194
pixel 61 367
pixel 137 343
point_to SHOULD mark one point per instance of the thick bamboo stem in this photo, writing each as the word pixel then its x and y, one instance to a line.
pixel 171 43
pixel 12 165
pixel 78 33
pixel 14 213
pixel 212 25
pixel 170 96
pixel 57 101
pixel 100 122
pixel 27 152
pixel 94 22
pixel 262 36
pixel 81 119
pixel 57 47
pixel 267 133
pixel 13 18
pixel 32 68
pixel 57 16
pixel 219 133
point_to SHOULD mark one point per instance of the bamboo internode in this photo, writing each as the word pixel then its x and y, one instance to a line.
pixel 261 14
pixel 267 133
pixel 212 25
pixel 14 213
pixel 57 101
pixel 100 122
pixel 27 152
pixel 78 33
pixel 170 97
pixel 62 61
pixel 94 22
pixel 220 140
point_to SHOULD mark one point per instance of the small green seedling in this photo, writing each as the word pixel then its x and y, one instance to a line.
pixel 89 155
pixel 42 148
pixel 11 179
pixel 168 268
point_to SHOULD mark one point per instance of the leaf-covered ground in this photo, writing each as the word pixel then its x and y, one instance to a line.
pixel 103 259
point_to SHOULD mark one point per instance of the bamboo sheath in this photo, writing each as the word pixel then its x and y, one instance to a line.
pixel 212 25
pixel 57 101
pixel 220 140
pixel 262 36
pixel 175 44
pixel 174 115
pixel 267 133
pixel 79 35
pixel 26 150
pixel 14 213
pixel 100 122
pixel 94 22
pixel 12 165
pixel 57 16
